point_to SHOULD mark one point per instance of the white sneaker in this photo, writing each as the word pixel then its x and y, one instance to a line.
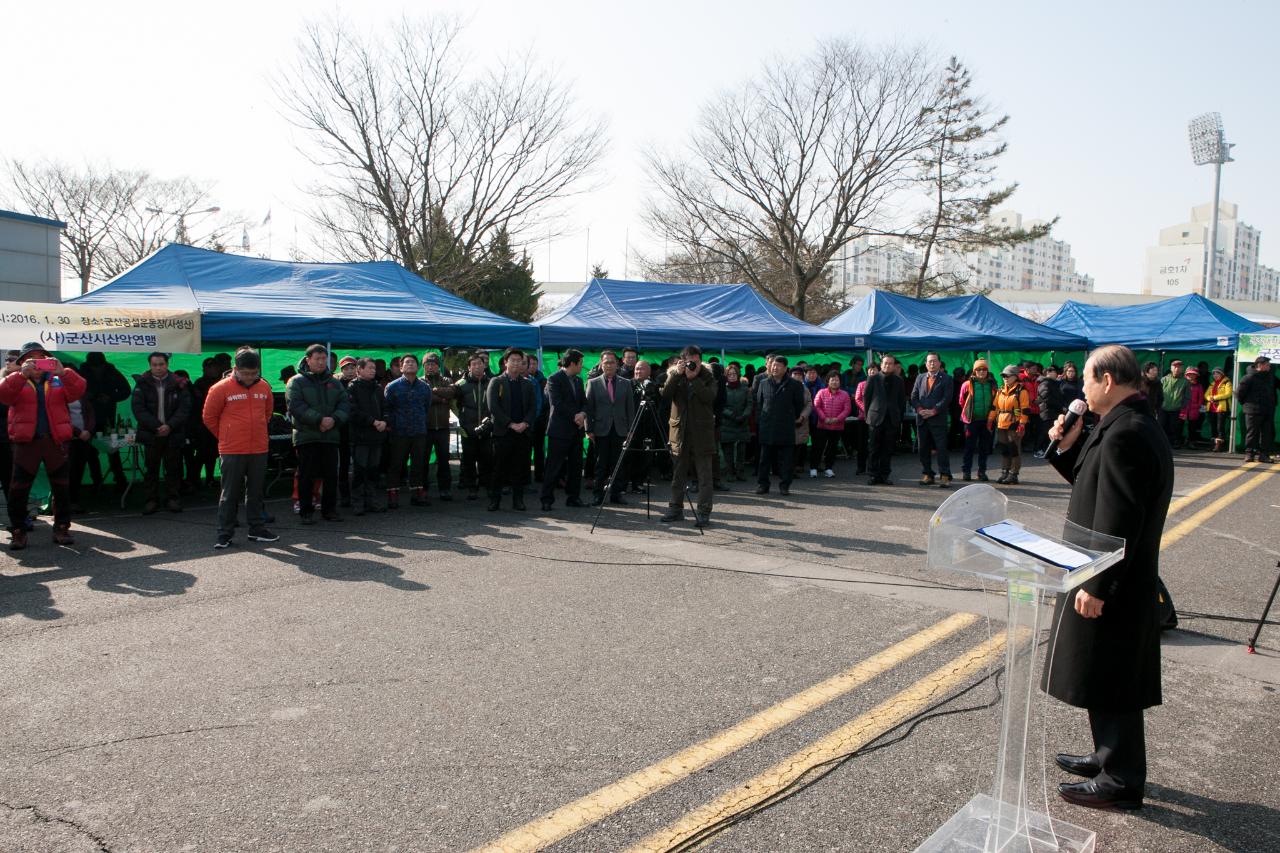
pixel 813 472
pixel 829 473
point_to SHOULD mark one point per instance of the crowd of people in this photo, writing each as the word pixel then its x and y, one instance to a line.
pixel 362 433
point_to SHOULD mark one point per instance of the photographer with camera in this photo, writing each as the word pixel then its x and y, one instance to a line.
pixel 38 394
pixel 691 389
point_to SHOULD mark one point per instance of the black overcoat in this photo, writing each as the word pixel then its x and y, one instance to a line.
pixel 1122 478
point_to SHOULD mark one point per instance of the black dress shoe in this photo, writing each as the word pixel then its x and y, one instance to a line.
pixel 546 506
pixel 574 502
pixel 784 490
pixel 1093 796
pixel 517 504
pixel 762 490
pixel 494 504
pixel 1080 765
pixel 618 499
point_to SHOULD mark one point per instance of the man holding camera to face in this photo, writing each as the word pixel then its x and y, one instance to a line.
pixel 691 390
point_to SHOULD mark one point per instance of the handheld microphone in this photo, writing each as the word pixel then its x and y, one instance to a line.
pixel 1074 412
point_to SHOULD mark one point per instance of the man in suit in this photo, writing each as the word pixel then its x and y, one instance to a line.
pixel 611 407
pixel 1104 654
pixel 885 398
pixel 510 399
pixel 566 420
pixel 930 398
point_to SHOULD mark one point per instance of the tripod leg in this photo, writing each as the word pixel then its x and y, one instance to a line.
pixel 617 466
pixel 1266 610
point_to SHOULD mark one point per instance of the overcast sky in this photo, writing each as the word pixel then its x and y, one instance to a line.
pixel 1099 94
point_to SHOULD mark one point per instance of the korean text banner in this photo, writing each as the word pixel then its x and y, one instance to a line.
pixel 88 328
pixel 1254 345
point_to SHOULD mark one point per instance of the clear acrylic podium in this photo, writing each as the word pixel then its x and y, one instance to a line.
pixel 1007 820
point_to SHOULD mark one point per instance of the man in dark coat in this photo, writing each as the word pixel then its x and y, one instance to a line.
pixel 510 400
pixel 931 399
pixel 566 422
pixel 885 399
pixel 779 402
pixel 1257 396
pixel 161 408
pixel 690 388
pixel 1104 654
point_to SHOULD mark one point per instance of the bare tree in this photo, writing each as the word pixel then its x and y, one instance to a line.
pixel 784 172
pixel 958 169
pixel 426 163
pixel 109 227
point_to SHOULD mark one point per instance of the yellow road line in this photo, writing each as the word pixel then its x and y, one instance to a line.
pixel 1182 528
pixel 848 738
pixel 616 796
pixel 1216 483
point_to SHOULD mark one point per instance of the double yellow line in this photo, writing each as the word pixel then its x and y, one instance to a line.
pixel 598 805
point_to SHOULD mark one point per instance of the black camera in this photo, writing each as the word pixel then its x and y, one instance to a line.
pixel 689 365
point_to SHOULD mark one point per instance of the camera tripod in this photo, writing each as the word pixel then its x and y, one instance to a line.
pixel 1265 612
pixel 646 405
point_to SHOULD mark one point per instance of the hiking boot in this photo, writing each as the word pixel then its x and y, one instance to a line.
pixel 672 514
pixel 983 478
pixel 262 534
pixel 1012 480
pixel 18 539
pixel 762 490
pixel 701 519
pixel 1004 477
pixel 222 542
pixel 62 535
pixel 944 481
pixel 927 480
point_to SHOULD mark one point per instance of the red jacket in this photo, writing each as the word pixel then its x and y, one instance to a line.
pixel 238 415
pixel 20 396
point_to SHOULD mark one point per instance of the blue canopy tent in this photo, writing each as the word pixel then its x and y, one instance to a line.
pixel 894 322
pixel 655 316
pixel 260 301
pixel 1184 323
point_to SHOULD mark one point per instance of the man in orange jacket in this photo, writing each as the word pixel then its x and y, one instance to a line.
pixel 236 411
pixel 37 395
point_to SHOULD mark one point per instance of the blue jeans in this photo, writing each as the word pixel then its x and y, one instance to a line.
pixel 977 436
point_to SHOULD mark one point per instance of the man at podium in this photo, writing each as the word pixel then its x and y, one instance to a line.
pixel 1104 652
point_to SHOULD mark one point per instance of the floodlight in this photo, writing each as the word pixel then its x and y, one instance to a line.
pixel 1208 144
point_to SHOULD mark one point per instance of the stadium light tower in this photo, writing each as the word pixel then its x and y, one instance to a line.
pixel 1209 145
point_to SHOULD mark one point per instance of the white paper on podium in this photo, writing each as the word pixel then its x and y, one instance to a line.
pixel 1011 534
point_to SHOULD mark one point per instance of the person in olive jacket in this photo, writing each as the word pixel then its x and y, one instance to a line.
pixel 319 406
pixel 780 405
pixel 690 388
pixel 1104 653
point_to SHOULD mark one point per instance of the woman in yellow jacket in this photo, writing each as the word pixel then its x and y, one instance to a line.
pixel 1010 411
pixel 1218 401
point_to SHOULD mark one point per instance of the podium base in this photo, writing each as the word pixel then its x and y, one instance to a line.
pixel 982 826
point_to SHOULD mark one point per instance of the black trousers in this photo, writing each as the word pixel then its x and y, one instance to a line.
pixel 344 470
pixel 564 459
pixel 27 457
pixel 825 442
pixel 855 443
pixel 82 455
pixel 882 441
pixel 318 461
pixel 538 435
pixel 1120 748
pixel 784 456
pixel 1259 432
pixel 412 448
pixel 477 462
pixel 365 493
pixel 608 450
pixel 510 464
pixel 166 450
pixel 1172 424
pixel 438 440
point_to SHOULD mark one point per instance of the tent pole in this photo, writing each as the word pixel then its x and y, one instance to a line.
pixel 1235 380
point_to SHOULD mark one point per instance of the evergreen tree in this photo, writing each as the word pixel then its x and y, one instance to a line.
pixel 598 270
pixel 506 285
pixel 958 169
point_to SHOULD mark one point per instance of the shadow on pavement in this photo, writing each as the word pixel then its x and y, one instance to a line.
pixel 1234 826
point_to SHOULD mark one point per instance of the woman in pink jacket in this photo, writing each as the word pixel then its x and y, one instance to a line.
pixel 1193 411
pixel 831 406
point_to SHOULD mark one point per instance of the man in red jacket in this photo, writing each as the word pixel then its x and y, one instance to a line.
pixel 39 429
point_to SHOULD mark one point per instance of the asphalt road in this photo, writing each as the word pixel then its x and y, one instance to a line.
pixel 436 679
